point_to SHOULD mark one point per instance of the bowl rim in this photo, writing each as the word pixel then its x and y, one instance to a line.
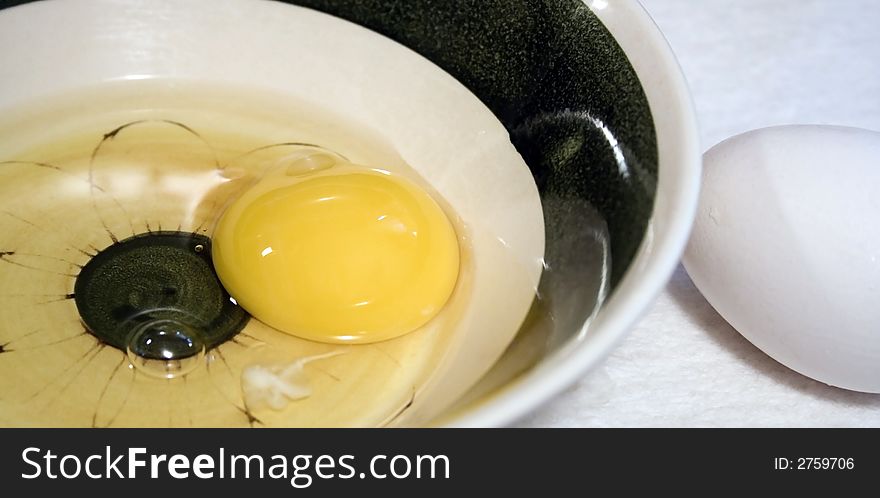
pixel 675 205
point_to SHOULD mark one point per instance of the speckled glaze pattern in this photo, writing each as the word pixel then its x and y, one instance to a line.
pixel 560 84
pixel 153 276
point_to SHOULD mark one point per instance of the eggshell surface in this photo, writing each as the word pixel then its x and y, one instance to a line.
pixel 786 243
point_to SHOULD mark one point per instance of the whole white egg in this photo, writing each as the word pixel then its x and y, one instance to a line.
pixel 786 247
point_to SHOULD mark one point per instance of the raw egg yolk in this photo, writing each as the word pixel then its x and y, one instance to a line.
pixel 347 255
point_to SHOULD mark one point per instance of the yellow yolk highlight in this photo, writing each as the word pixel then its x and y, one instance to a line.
pixel 346 255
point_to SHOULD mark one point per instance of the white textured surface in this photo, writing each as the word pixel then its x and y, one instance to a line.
pixel 750 64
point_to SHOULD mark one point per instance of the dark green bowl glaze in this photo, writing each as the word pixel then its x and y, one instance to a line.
pixel 559 83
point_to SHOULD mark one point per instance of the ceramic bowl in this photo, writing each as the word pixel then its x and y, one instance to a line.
pixel 589 94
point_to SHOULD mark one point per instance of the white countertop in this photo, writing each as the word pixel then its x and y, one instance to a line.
pixel 750 64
